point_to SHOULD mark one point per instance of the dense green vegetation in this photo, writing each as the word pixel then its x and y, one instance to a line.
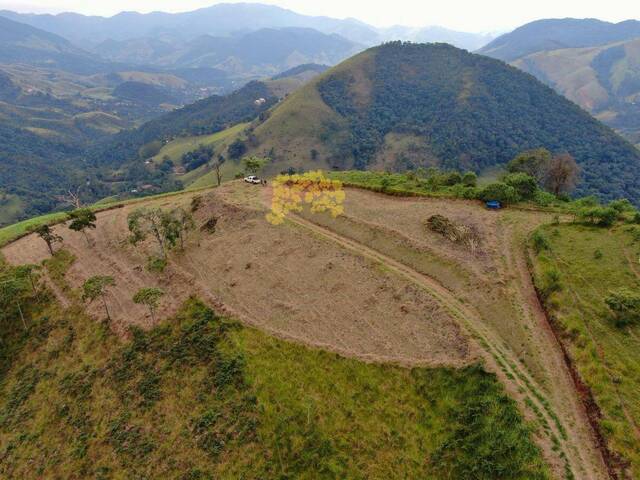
pixel 475 112
pixel 432 182
pixel 589 278
pixel 114 165
pixel 199 396
pixel 205 117
pixel 34 170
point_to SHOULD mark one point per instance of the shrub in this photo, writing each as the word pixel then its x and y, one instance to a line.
pixel 543 198
pixel 622 205
pixel 539 241
pixel 499 191
pixel 462 191
pixel 601 216
pixel 469 179
pixel 451 178
pixel 524 184
pixel 550 283
pixel 597 254
pixel 625 306
pixel 156 264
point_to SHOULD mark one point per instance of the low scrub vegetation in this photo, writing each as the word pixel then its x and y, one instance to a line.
pixel 596 311
pixel 201 397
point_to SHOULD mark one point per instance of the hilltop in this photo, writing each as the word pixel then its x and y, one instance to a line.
pixel 460 320
pixel 403 106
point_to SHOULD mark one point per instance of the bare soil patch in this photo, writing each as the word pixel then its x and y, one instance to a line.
pixel 281 279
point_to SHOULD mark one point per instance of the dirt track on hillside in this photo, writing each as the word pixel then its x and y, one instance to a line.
pixel 490 291
pixel 280 279
pixel 372 284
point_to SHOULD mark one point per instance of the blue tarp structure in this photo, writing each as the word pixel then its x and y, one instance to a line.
pixel 493 204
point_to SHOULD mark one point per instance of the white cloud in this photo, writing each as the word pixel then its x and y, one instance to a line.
pixel 486 15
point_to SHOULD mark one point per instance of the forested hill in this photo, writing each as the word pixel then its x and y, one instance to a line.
pixel 210 115
pixel 408 105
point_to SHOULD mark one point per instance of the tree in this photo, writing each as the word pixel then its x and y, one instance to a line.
pixel 29 272
pixel 625 306
pixel 81 220
pixel 46 234
pixel 217 166
pixel 144 221
pixel 469 179
pixel 149 296
pixel 532 162
pixel 562 174
pixel 184 222
pixel 254 164
pixel 96 287
pixel 524 184
pixel 499 191
pixel 72 198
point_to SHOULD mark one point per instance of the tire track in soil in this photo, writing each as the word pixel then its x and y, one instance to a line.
pixel 502 362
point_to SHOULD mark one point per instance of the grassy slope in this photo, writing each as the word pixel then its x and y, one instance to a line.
pixel 178 147
pixel 10 209
pixel 301 120
pixel 13 232
pixel 201 397
pixel 607 358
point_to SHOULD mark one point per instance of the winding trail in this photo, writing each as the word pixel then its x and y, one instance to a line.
pixel 568 445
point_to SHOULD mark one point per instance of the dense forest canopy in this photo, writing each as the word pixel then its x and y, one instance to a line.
pixel 474 112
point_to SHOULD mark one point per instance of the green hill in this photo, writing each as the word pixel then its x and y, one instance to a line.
pixel 604 80
pixel 401 106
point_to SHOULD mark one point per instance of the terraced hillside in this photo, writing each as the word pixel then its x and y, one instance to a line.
pixel 399 293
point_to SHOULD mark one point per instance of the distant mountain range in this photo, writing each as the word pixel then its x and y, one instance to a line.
pixel 228 20
pixel 267 51
pixel 555 34
pixel 594 63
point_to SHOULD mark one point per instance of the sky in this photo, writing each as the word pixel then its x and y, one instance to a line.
pixel 470 16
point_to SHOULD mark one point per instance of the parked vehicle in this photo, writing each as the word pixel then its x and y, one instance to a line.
pixel 252 179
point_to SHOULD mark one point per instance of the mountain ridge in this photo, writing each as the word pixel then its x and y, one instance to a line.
pixel 450 108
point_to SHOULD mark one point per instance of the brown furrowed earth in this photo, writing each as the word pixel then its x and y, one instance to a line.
pixel 374 284
pixel 279 278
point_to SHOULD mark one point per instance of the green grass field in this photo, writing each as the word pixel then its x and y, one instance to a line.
pixel 201 397
pixel 591 262
pixel 178 147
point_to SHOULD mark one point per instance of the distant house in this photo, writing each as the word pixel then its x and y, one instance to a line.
pixel 493 205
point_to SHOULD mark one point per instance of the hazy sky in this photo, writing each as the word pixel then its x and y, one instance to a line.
pixel 474 15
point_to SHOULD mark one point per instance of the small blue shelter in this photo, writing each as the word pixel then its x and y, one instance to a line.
pixel 493 205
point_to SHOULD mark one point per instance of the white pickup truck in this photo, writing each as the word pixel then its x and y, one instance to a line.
pixel 252 179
